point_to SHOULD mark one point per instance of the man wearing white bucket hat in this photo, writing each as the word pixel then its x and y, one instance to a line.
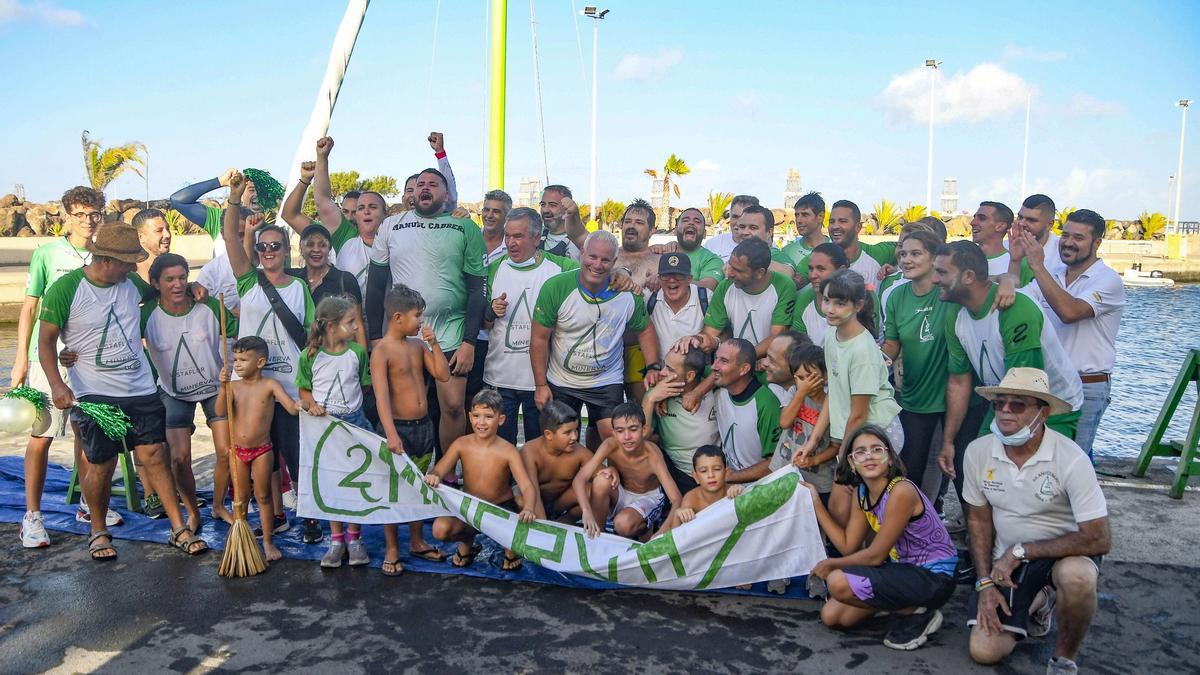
pixel 1038 525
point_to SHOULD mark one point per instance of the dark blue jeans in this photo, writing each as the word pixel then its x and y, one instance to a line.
pixel 514 400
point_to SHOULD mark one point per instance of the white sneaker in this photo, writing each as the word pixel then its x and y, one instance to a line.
pixel 289 500
pixel 1041 616
pixel 84 515
pixel 33 532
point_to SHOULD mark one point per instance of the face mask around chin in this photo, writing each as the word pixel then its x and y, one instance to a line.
pixel 1021 437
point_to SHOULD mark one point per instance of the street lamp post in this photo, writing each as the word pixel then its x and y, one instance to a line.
pixel 932 65
pixel 1183 103
pixel 597 15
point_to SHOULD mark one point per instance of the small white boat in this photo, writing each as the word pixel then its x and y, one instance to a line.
pixel 1152 279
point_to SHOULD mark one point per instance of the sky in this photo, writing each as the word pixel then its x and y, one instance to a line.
pixel 742 91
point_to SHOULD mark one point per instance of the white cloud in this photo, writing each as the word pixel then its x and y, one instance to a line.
pixel 642 67
pixel 983 92
pixel 1084 105
pixel 1114 193
pixel 706 165
pixel 13 11
pixel 1014 53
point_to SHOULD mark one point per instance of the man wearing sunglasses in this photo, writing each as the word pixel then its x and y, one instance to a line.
pixel 985 342
pixel 1038 524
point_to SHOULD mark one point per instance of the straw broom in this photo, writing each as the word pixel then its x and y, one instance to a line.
pixel 243 557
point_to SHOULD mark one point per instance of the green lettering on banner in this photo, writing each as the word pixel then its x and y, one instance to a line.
pixel 751 507
pixel 521 546
pixel 660 547
pixel 350 480
pixel 464 508
pixel 482 507
pixel 385 456
pixel 316 484
pixel 581 550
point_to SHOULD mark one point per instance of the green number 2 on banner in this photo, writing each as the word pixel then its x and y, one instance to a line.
pixel 350 480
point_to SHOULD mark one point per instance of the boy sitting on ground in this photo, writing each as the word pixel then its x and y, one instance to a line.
pixel 398 364
pixel 553 459
pixel 709 471
pixel 254 399
pixel 635 486
pixel 489 466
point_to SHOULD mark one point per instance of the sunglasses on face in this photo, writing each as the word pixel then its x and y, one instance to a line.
pixel 1014 405
pixel 265 246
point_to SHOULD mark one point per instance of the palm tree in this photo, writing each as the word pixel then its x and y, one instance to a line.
pixel 610 211
pixel 887 218
pixel 1152 224
pixel 718 202
pixel 674 167
pixel 104 165
pixel 913 213
pixel 1061 218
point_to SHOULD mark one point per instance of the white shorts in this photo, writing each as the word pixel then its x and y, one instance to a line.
pixel 648 504
pixel 57 426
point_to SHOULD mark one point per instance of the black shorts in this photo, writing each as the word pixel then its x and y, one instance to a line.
pixel 1030 578
pixel 475 377
pixel 285 436
pixel 600 400
pixel 419 438
pixel 148 426
pixel 894 586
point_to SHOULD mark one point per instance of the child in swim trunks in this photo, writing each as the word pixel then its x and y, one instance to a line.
pixel 254 399
pixel 553 459
pixel 635 486
pixel 490 465
pixel 399 362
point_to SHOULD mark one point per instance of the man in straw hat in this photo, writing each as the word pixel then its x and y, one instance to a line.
pixel 95 311
pixel 1038 525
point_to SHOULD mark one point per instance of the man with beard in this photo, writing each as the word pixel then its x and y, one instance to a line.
pixel 641 264
pixel 810 222
pixel 1036 217
pixel 759 222
pixel 723 244
pixel 747 412
pixel 689 238
pixel 496 205
pixel 579 326
pixel 153 235
pixel 514 282
pixel 437 141
pixel 565 232
pixel 441 257
pixel 845 222
pixel 985 342
pixel 1084 300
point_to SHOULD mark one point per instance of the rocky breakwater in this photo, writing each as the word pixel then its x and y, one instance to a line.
pixel 47 219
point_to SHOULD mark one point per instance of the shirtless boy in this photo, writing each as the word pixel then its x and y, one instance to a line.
pixel 630 490
pixel 489 465
pixel 553 459
pixel 709 471
pixel 398 364
pixel 254 399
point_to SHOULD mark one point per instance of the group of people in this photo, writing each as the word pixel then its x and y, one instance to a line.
pixel 704 365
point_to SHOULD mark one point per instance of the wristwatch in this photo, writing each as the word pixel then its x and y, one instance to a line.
pixel 1018 552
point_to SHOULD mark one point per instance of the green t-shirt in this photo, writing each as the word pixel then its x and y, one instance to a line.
pixel 798 251
pixel 681 432
pixel 808 317
pixel 434 256
pixel 918 324
pixel 47 265
pixel 706 265
pixel 587 345
pixel 751 315
pixel 778 256
pixel 336 379
pixel 856 368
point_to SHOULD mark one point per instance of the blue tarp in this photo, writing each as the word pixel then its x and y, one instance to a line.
pixel 60 516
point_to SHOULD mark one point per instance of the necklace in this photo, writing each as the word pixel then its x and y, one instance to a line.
pixel 314 283
pixel 74 250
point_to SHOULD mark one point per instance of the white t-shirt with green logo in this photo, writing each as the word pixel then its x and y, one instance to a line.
pixel 336 379
pixel 48 264
pixel 353 254
pixel 748 424
pixel 185 349
pixel 258 318
pixel 751 315
pixel 507 363
pixel 102 325
pixel 586 348
pixel 681 432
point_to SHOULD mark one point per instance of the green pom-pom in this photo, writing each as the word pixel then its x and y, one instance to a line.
pixel 37 398
pixel 270 191
pixel 112 420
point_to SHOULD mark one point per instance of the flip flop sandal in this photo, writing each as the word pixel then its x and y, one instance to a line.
pixel 397 568
pixel 431 554
pixel 183 539
pixel 94 548
pixel 459 560
pixel 511 564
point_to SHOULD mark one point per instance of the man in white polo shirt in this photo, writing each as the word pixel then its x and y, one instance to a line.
pixel 1038 526
pixel 1084 300
pixel 677 308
